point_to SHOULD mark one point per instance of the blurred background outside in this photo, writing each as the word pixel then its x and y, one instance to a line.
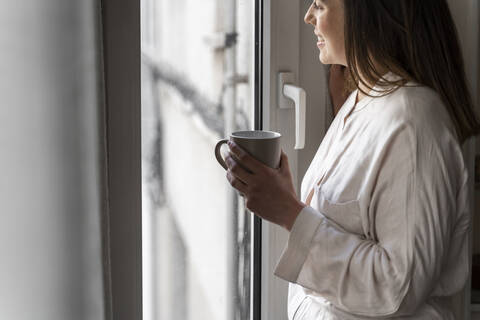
pixel 197 87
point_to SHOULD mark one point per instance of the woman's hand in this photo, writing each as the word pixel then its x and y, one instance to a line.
pixel 269 193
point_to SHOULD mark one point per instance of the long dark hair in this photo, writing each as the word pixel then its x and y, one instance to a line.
pixel 417 40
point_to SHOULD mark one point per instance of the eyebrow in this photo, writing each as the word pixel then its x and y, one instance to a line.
pixel 323 2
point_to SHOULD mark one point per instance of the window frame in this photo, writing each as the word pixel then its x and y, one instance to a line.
pixel 122 182
pixel 122 122
pixel 122 218
pixel 256 259
pixel 283 23
pixel 122 221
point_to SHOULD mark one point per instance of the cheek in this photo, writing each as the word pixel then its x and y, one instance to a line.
pixel 324 27
pixel 331 29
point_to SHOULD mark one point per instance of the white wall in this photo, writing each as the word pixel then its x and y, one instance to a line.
pixel 49 268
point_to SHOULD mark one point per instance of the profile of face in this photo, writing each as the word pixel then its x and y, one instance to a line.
pixel 327 18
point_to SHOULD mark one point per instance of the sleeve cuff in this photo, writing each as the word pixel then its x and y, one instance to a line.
pixel 298 246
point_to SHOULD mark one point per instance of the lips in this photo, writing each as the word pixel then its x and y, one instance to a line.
pixel 320 39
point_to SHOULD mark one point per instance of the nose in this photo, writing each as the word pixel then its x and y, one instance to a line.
pixel 310 17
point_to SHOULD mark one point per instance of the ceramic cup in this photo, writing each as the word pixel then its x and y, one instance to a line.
pixel 262 145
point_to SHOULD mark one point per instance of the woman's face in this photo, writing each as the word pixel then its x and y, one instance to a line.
pixel 327 18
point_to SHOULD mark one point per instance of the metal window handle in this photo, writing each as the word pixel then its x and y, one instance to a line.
pixel 299 98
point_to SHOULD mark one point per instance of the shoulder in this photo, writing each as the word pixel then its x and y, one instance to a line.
pixel 417 106
pixel 420 113
pixel 417 101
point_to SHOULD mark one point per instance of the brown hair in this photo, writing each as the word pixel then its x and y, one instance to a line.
pixel 416 40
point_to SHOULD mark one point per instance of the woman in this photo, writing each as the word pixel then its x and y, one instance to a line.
pixel 381 229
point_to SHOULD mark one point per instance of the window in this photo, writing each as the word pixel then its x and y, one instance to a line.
pixel 198 75
pixel 208 69
pixel 285 44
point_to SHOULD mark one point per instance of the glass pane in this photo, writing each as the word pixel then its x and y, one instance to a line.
pixel 197 88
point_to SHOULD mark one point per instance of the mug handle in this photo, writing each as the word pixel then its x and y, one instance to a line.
pixel 218 155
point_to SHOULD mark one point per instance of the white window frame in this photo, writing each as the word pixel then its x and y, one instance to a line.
pixel 288 45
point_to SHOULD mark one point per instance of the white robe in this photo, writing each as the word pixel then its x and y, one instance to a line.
pixel 386 233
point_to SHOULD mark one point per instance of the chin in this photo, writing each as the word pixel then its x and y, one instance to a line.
pixel 323 59
pixel 329 59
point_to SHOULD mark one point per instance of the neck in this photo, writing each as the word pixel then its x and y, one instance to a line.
pixel 360 94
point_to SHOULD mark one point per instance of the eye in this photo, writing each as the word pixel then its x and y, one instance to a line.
pixel 316 6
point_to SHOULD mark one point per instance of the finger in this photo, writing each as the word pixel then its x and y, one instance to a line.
pixel 237 170
pixel 284 162
pixel 285 166
pixel 245 159
pixel 236 183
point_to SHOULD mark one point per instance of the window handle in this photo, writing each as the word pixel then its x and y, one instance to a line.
pixel 299 97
